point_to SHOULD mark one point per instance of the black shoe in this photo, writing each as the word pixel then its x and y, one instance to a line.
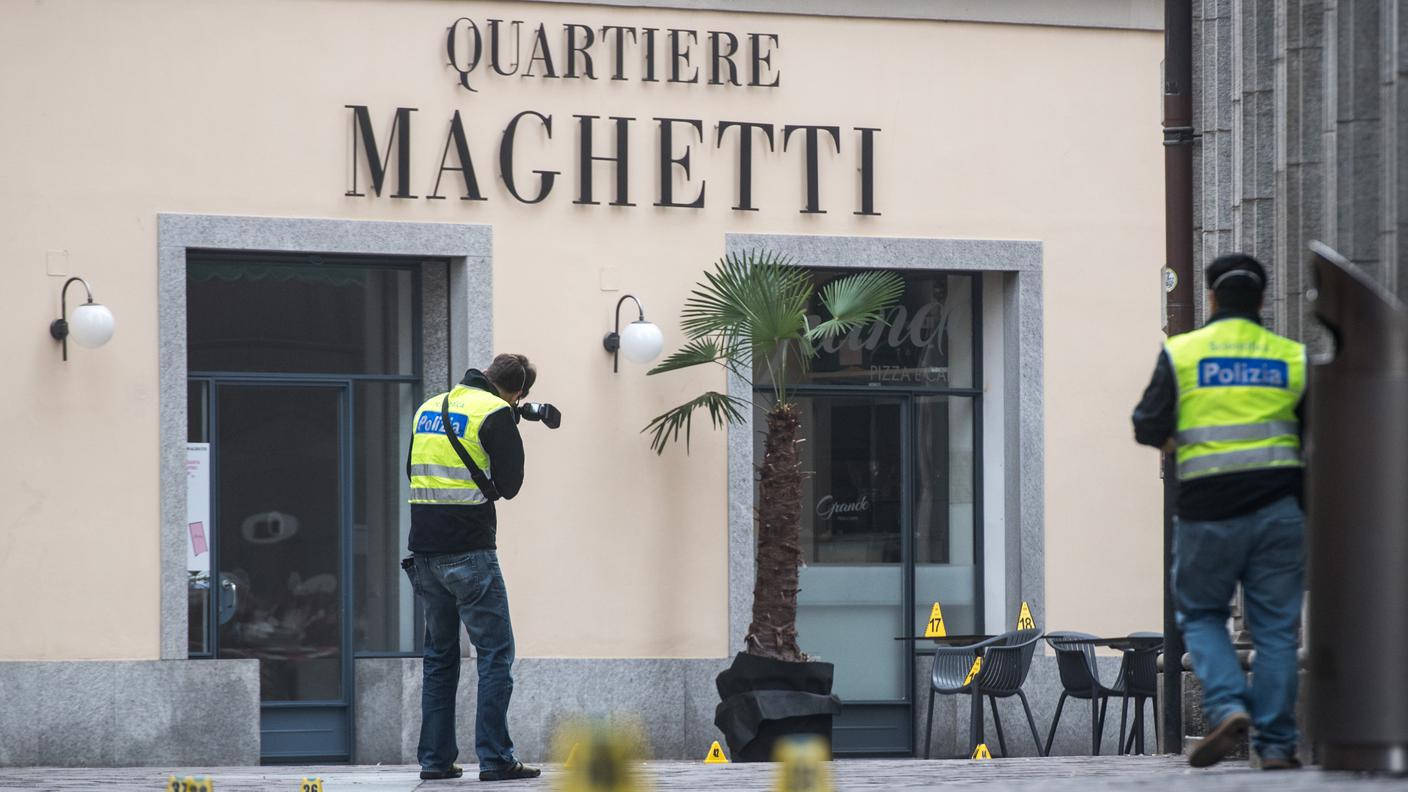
pixel 513 772
pixel 455 771
pixel 1222 740
pixel 1280 763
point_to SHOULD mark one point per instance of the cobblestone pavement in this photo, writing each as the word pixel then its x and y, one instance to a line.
pixel 1056 774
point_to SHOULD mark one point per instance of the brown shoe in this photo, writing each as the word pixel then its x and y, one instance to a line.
pixel 1280 763
pixel 1222 740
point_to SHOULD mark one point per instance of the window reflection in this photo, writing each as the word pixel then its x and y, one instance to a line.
pixel 945 511
pixel 199 529
pixel 271 313
pixel 381 517
pixel 925 340
pixel 851 501
pixel 280 510
pixel 850 606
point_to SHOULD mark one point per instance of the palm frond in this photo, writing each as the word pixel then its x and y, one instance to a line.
pixel 753 307
pixel 723 409
pixel 759 296
pixel 698 352
pixel 856 300
pixel 778 302
pixel 718 305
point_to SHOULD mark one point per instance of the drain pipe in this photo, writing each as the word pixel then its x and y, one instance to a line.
pixel 1178 287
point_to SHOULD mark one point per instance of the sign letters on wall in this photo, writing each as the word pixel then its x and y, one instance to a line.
pixel 498 51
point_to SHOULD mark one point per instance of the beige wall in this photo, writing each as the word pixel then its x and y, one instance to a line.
pixel 118 111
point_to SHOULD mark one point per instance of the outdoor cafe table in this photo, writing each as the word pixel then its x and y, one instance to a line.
pixel 1124 643
pixel 946 640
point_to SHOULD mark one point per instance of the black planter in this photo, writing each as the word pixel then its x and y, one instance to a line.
pixel 764 700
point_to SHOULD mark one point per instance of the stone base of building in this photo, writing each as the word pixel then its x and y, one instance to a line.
pixel 672 700
pixel 125 713
pixel 206 712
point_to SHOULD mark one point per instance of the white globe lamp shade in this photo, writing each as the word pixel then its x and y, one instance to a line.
pixel 91 324
pixel 641 342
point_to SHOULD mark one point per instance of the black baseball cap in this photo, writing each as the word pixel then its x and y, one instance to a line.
pixel 1238 270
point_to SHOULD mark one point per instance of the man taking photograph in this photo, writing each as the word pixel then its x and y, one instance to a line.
pixel 466 453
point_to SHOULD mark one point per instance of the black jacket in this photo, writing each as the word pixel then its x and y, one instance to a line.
pixel 450 528
pixel 1218 497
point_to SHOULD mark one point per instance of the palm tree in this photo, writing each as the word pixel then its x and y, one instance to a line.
pixel 751 308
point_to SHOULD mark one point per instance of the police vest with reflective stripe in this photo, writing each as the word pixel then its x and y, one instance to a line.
pixel 1238 387
pixel 437 474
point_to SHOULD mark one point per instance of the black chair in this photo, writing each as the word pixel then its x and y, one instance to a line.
pixel 1006 660
pixel 1080 679
pixel 1139 678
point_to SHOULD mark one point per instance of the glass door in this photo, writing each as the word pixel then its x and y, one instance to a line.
pixel 851 606
pixel 947 511
pixel 280 456
pixel 892 509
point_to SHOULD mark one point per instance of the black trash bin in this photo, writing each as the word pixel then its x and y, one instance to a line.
pixel 1357 549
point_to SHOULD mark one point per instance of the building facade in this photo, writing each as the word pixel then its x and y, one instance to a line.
pixel 308 217
pixel 1300 108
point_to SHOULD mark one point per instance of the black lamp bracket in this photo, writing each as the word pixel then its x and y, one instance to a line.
pixel 612 341
pixel 59 327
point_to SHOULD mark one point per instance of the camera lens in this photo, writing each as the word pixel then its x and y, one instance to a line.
pixel 538 411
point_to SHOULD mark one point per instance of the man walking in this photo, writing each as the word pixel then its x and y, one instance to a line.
pixel 1228 399
pixel 466 453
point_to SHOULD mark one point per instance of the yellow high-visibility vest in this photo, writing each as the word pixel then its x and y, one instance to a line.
pixel 1238 387
pixel 437 473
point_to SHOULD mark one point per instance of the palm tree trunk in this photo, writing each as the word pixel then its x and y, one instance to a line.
pixel 773 632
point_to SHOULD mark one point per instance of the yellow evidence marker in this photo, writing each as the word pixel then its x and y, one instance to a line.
pixel 973 672
pixel 1024 618
pixel 803 765
pixel 936 623
pixel 716 754
pixel 189 784
pixel 982 752
pixel 601 758
pixel 310 785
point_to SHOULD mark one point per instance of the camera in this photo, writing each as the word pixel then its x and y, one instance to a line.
pixel 537 411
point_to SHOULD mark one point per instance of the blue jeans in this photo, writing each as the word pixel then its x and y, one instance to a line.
pixel 466 587
pixel 1263 550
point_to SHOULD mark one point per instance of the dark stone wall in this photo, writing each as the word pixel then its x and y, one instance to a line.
pixel 1300 106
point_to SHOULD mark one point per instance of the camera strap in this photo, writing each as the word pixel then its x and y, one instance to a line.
pixel 483 482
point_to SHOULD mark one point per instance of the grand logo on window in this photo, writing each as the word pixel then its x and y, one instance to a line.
pixel 828 507
pixel 901 348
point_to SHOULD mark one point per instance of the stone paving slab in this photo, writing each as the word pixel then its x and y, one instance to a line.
pixel 1055 774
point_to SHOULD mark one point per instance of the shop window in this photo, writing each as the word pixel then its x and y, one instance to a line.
pixel 347 333
pixel 304 314
pixel 925 341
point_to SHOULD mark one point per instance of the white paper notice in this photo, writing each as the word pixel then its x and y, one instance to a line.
pixel 198 510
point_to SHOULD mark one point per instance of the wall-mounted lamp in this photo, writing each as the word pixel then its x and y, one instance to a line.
pixel 640 342
pixel 91 325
